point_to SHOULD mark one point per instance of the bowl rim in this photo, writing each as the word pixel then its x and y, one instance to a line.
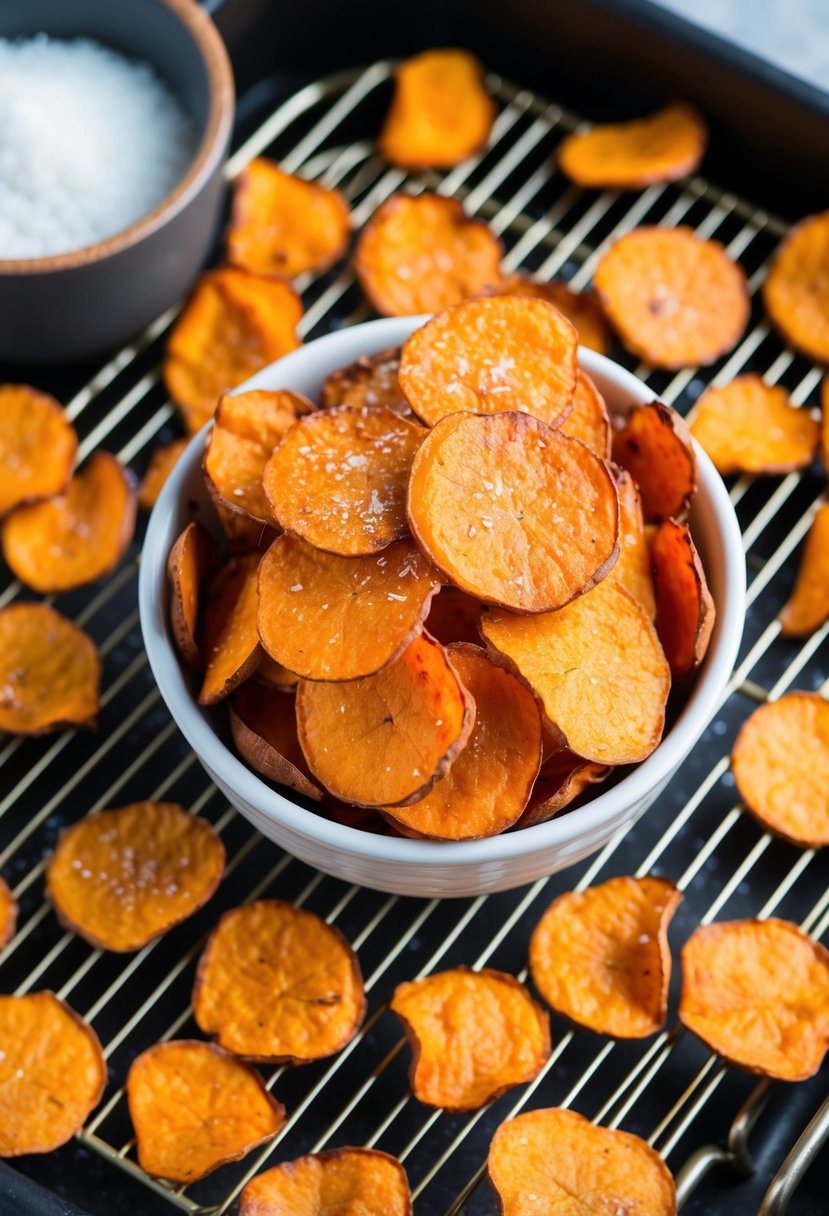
pixel 208 42
pixel 558 832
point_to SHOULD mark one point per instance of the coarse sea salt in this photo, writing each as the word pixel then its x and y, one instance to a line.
pixel 90 141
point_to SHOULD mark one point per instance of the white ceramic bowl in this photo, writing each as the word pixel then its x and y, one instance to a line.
pixel 415 867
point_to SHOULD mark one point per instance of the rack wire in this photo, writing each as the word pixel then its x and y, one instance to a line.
pixel 669 1089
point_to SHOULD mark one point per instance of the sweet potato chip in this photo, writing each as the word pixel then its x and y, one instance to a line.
pixel 529 523
pixel 190 561
pixel 757 993
pixel 52 1073
pixel 589 420
pixel 233 324
pixel 338 479
pixel 421 254
pixel 562 778
pixel 340 1182
pixel 8 914
pixel 663 147
pixel 573 1168
pixel 597 668
pixel 796 291
pixel 748 426
pixel 441 112
pixel 263 725
pixel 50 673
pixel 633 569
pixel 78 537
pixel 453 617
pixel 474 1035
pixel 195 1107
pixel 370 381
pixel 675 299
pixel 781 766
pixel 601 956
pixel 162 462
pixel 386 739
pixel 808 607
pixel 229 638
pixel 656 448
pixel 685 611
pixel 581 308
pixel 122 878
pixel 282 224
pixel 37 446
pixel 490 355
pixel 277 984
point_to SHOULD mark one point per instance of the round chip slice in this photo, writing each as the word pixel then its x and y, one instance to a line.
pixel 757 992
pixel 675 299
pixel 656 448
pixel 52 1073
pixel 195 1107
pixel 529 524
pixel 633 569
pixel 50 673
pixel 340 1182
pixel 370 381
pixel 808 607
pixel 37 446
pixel 78 537
pixel 189 562
pixel 277 984
pixel 796 291
pixel 8 914
pixel 581 308
pixel 263 725
pixel 474 1035
pixel 663 147
pixel 162 462
pixel 229 638
pixel 122 878
pixel 748 426
pixel 781 766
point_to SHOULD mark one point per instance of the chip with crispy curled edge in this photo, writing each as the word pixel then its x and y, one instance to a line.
pixel 562 778
pixel 556 1161
pixel 195 1107
pixel 277 984
pixel 473 1034
pixel 50 672
pixel 487 787
pixel 663 147
pixel 491 355
pixel 589 420
pixel 581 308
pixel 122 878
pixel 597 668
pixel 421 254
pixel 748 426
pixel 282 224
pixel 371 380
pixel 633 569
pixel 52 1073
pixel 656 448
pixel 454 616
pixel 339 1182
pixel 233 324
pixel 530 523
pixel 675 299
pixel 37 446
pixel 796 291
pixel 338 479
pixel 781 766
pixel 229 640
pixel 8 914
pixel 685 611
pixel 163 460
pixel 263 725
pixel 440 113
pixel 757 993
pixel 808 606
pixel 384 740
pixel 78 537
pixel 192 558
pixel 328 617
pixel 601 956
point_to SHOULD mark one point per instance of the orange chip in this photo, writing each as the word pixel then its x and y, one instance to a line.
pixel 581 308
pixel 122 878
pixel 808 607
pixel 194 1107
pixel 656 448
pixel 796 291
pixel 685 611
pixel 474 1035
pixel 441 112
pixel 781 766
pixel 263 725
pixel 601 956
pixel 597 668
pixel 52 1073
pixel 488 785
pixel 421 254
pixel 675 299
pixel 663 147
pixel 281 224
pixel 575 1169
pixel 78 537
pixel 338 479
pixel 453 617
pixel 8 914
pixel 37 446
pixel 589 420
pixel 50 673
pixel 384 740
pixel 340 1182
pixel 748 426
pixel 490 355
pixel 162 462
pixel 633 569
pixel 529 523
pixel 757 992
pixel 191 559
pixel 229 638
pixel 277 984
pixel 233 324
pixel 562 778
pixel 370 381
